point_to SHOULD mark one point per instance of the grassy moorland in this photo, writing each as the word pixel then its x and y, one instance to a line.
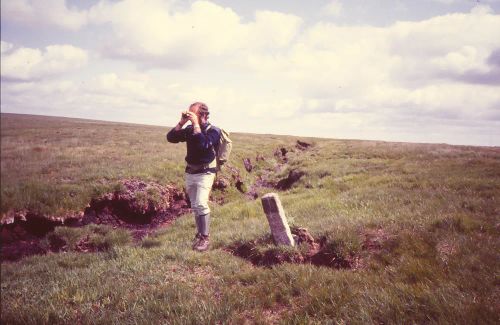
pixel 420 220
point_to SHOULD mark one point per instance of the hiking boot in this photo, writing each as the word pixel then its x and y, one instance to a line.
pixel 202 244
pixel 196 239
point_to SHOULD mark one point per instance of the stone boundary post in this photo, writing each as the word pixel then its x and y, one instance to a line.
pixel 277 220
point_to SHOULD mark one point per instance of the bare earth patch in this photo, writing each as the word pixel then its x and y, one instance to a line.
pixel 138 206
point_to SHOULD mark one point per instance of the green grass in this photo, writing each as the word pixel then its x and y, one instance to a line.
pixel 432 212
pixel 56 165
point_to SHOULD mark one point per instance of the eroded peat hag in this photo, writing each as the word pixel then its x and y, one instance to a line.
pixel 21 235
pixel 137 206
pixel 270 175
pixel 323 252
pixel 135 203
pixel 287 182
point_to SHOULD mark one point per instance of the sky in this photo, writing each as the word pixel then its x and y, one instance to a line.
pixel 393 70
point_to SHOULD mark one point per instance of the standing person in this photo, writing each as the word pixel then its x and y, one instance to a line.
pixel 201 139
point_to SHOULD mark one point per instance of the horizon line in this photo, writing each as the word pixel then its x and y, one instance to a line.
pixel 239 132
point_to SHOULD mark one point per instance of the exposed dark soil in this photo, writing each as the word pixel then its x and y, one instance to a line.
pixel 316 252
pixel 280 154
pixel 301 145
pixel 265 180
pixel 248 164
pixel 137 203
pixel 21 236
pixel 56 243
pixel 138 206
pixel 261 182
pixel 22 248
pixel 221 183
pixel 241 186
pixel 293 176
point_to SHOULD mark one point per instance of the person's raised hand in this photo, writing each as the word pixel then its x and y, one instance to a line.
pixel 193 118
pixel 184 118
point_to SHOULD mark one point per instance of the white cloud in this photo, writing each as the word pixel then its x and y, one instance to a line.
pixel 137 88
pixel 160 36
pixel 105 96
pixel 343 63
pixel 47 12
pixel 430 80
pixel 6 47
pixel 333 8
pixel 482 10
pixel 456 47
pixel 467 58
pixel 269 30
pixel 28 63
pixel 273 109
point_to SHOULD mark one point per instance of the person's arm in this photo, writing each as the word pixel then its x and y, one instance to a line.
pixel 195 121
pixel 178 134
pixel 196 134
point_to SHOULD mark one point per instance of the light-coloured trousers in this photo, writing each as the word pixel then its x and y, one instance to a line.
pixel 198 187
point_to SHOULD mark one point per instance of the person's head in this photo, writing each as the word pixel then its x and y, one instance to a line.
pixel 201 110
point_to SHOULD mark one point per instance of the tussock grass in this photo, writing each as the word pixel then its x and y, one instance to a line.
pixel 421 218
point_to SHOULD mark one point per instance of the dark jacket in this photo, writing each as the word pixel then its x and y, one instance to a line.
pixel 200 147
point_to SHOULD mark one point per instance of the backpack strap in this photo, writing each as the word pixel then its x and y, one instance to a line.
pixel 213 144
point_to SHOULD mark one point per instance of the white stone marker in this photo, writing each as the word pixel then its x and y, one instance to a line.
pixel 277 220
